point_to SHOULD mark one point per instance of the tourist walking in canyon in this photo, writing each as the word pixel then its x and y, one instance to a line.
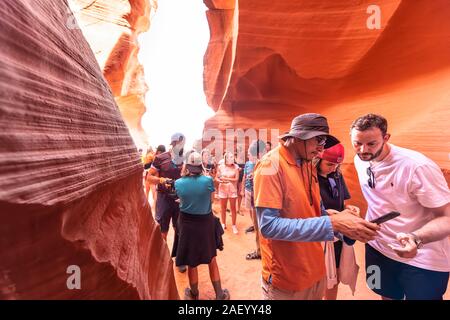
pixel 239 160
pixel 268 146
pixel 166 168
pixel 290 215
pixel 148 161
pixel 412 250
pixel 160 149
pixel 209 167
pixel 334 193
pixel 255 151
pixel 199 233
pixel 227 177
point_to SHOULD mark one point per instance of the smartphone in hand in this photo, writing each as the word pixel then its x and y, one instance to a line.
pixel 386 217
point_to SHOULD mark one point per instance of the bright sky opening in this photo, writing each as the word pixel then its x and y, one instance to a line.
pixel 172 55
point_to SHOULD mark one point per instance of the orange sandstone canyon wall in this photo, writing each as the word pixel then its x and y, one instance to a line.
pixel 112 28
pixel 75 223
pixel 268 61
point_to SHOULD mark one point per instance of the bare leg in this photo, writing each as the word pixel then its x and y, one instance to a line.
pixel 239 203
pixel 385 298
pixel 214 270
pixel 255 225
pixel 233 211
pixel 193 280
pixel 215 278
pixel 223 210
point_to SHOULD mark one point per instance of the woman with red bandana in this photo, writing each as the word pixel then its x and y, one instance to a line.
pixel 333 192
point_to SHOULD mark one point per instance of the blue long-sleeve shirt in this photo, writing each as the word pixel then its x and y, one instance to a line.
pixel 273 226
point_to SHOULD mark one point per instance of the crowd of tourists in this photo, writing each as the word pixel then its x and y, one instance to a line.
pixel 302 214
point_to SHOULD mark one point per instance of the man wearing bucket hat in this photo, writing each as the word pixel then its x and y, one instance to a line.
pixel 291 217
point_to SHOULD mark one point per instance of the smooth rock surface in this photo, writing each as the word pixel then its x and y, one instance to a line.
pixel 268 61
pixel 70 174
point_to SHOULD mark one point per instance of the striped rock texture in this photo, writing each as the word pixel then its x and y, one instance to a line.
pixel 70 174
pixel 269 61
pixel 112 29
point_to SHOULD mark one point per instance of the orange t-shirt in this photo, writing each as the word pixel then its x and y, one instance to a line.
pixel 281 184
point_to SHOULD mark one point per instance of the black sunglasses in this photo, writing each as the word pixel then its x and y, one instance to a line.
pixel 321 140
pixel 371 180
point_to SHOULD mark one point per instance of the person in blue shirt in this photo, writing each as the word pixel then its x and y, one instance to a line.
pixel 255 151
pixel 199 233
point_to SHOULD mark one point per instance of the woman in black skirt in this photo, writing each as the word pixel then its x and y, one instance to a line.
pixel 199 233
pixel 333 192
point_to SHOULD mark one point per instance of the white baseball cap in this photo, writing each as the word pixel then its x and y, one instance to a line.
pixel 194 163
pixel 177 137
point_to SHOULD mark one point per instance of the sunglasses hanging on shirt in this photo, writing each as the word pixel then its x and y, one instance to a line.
pixel 371 180
pixel 334 188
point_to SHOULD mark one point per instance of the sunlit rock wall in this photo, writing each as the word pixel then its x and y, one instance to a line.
pixel 112 29
pixel 71 196
pixel 292 57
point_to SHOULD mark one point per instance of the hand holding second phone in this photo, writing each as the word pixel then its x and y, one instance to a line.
pixel 408 247
pixel 332 212
pixel 354 227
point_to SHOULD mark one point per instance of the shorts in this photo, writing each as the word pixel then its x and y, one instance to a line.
pixel 248 200
pixel 402 281
pixel 166 209
pixel 316 292
pixel 227 190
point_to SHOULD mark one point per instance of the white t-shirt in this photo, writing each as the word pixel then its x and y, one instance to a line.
pixel 408 182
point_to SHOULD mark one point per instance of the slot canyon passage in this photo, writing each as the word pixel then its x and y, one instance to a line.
pixel 72 99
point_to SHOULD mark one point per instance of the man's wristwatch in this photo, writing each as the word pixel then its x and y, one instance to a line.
pixel 417 240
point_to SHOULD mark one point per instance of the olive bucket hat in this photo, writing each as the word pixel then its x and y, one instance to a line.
pixel 310 125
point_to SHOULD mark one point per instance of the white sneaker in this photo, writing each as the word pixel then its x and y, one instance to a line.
pixel 224 226
pixel 235 230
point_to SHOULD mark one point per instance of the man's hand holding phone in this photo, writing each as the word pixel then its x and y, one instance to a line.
pixel 352 226
pixel 353 209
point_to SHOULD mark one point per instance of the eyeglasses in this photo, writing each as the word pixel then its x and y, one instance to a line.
pixel 321 140
pixel 371 180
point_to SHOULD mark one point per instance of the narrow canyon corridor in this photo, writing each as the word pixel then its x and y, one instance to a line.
pixel 78 115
